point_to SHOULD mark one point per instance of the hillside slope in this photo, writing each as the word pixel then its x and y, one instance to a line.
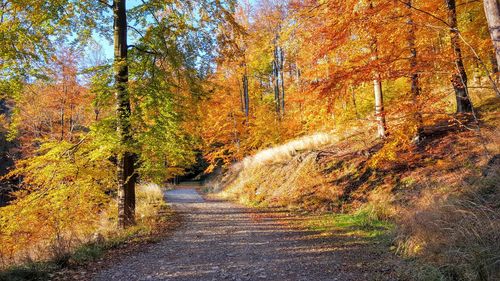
pixel 442 194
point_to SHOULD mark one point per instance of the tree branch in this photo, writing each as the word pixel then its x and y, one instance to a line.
pixel 144 50
pixel 425 12
pixel 105 3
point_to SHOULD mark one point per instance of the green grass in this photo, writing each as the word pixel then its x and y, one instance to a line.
pixel 361 223
pixel 38 271
pixel 89 252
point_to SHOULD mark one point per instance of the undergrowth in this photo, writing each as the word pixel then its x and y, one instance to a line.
pixel 151 213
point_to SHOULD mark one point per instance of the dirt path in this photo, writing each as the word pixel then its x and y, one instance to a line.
pixel 223 241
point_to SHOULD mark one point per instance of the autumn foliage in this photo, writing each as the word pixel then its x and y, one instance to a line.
pixel 333 51
pixel 272 86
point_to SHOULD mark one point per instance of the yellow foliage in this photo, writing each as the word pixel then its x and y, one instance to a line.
pixel 65 190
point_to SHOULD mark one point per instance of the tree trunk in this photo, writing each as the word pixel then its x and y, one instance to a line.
pixel 281 64
pixel 125 163
pixel 377 89
pixel 494 63
pixel 415 87
pixel 353 95
pixel 276 83
pixel 61 121
pixel 492 11
pixel 459 78
pixel 379 107
pixel 242 94
pixel 246 99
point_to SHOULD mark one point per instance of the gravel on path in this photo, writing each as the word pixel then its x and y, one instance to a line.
pixel 220 240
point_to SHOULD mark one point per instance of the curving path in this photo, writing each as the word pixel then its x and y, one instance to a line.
pixel 220 240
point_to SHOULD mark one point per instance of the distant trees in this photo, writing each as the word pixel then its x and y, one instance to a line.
pixel 337 49
pixel 57 109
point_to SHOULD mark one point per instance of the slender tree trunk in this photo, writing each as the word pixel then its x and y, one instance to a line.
pixel 459 78
pixel 62 121
pixel 353 95
pixel 281 64
pixel 72 121
pixel 379 107
pixel 415 87
pixel 246 99
pixel 242 94
pixel 276 83
pixel 125 163
pixel 492 11
pixel 494 63
pixel 377 90
pixel 494 67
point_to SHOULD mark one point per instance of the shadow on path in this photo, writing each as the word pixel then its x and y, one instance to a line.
pixel 223 241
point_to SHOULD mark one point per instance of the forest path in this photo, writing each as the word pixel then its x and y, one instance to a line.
pixel 220 240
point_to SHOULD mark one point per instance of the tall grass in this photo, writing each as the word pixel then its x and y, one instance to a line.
pixel 287 151
pixel 459 235
pixel 446 210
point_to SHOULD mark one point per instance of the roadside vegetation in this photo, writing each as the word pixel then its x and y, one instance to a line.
pixel 436 204
pixel 79 242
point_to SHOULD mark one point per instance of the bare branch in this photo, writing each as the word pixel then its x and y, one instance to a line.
pixel 425 12
pixel 105 3
pixel 144 50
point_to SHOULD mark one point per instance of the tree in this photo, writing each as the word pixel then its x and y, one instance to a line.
pixel 492 11
pixel 125 158
pixel 414 77
pixel 459 76
pixel 377 88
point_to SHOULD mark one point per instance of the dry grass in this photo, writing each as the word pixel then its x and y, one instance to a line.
pixel 459 234
pixel 443 194
pixel 289 150
pixel 281 176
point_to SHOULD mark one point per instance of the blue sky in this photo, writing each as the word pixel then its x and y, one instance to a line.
pixel 107 44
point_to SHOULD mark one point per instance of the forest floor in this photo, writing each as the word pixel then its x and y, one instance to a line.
pixel 221 240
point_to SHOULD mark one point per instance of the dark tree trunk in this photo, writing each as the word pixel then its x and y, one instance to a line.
pixel 125 163
pixel 494 63
pixel 459 78
pixel 242 93
pixel 61 121
pixel 415 87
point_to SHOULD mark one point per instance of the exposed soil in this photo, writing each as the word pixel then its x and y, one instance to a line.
pixel 220 240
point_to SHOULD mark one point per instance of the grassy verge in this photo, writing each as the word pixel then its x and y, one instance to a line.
pixel 362 223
